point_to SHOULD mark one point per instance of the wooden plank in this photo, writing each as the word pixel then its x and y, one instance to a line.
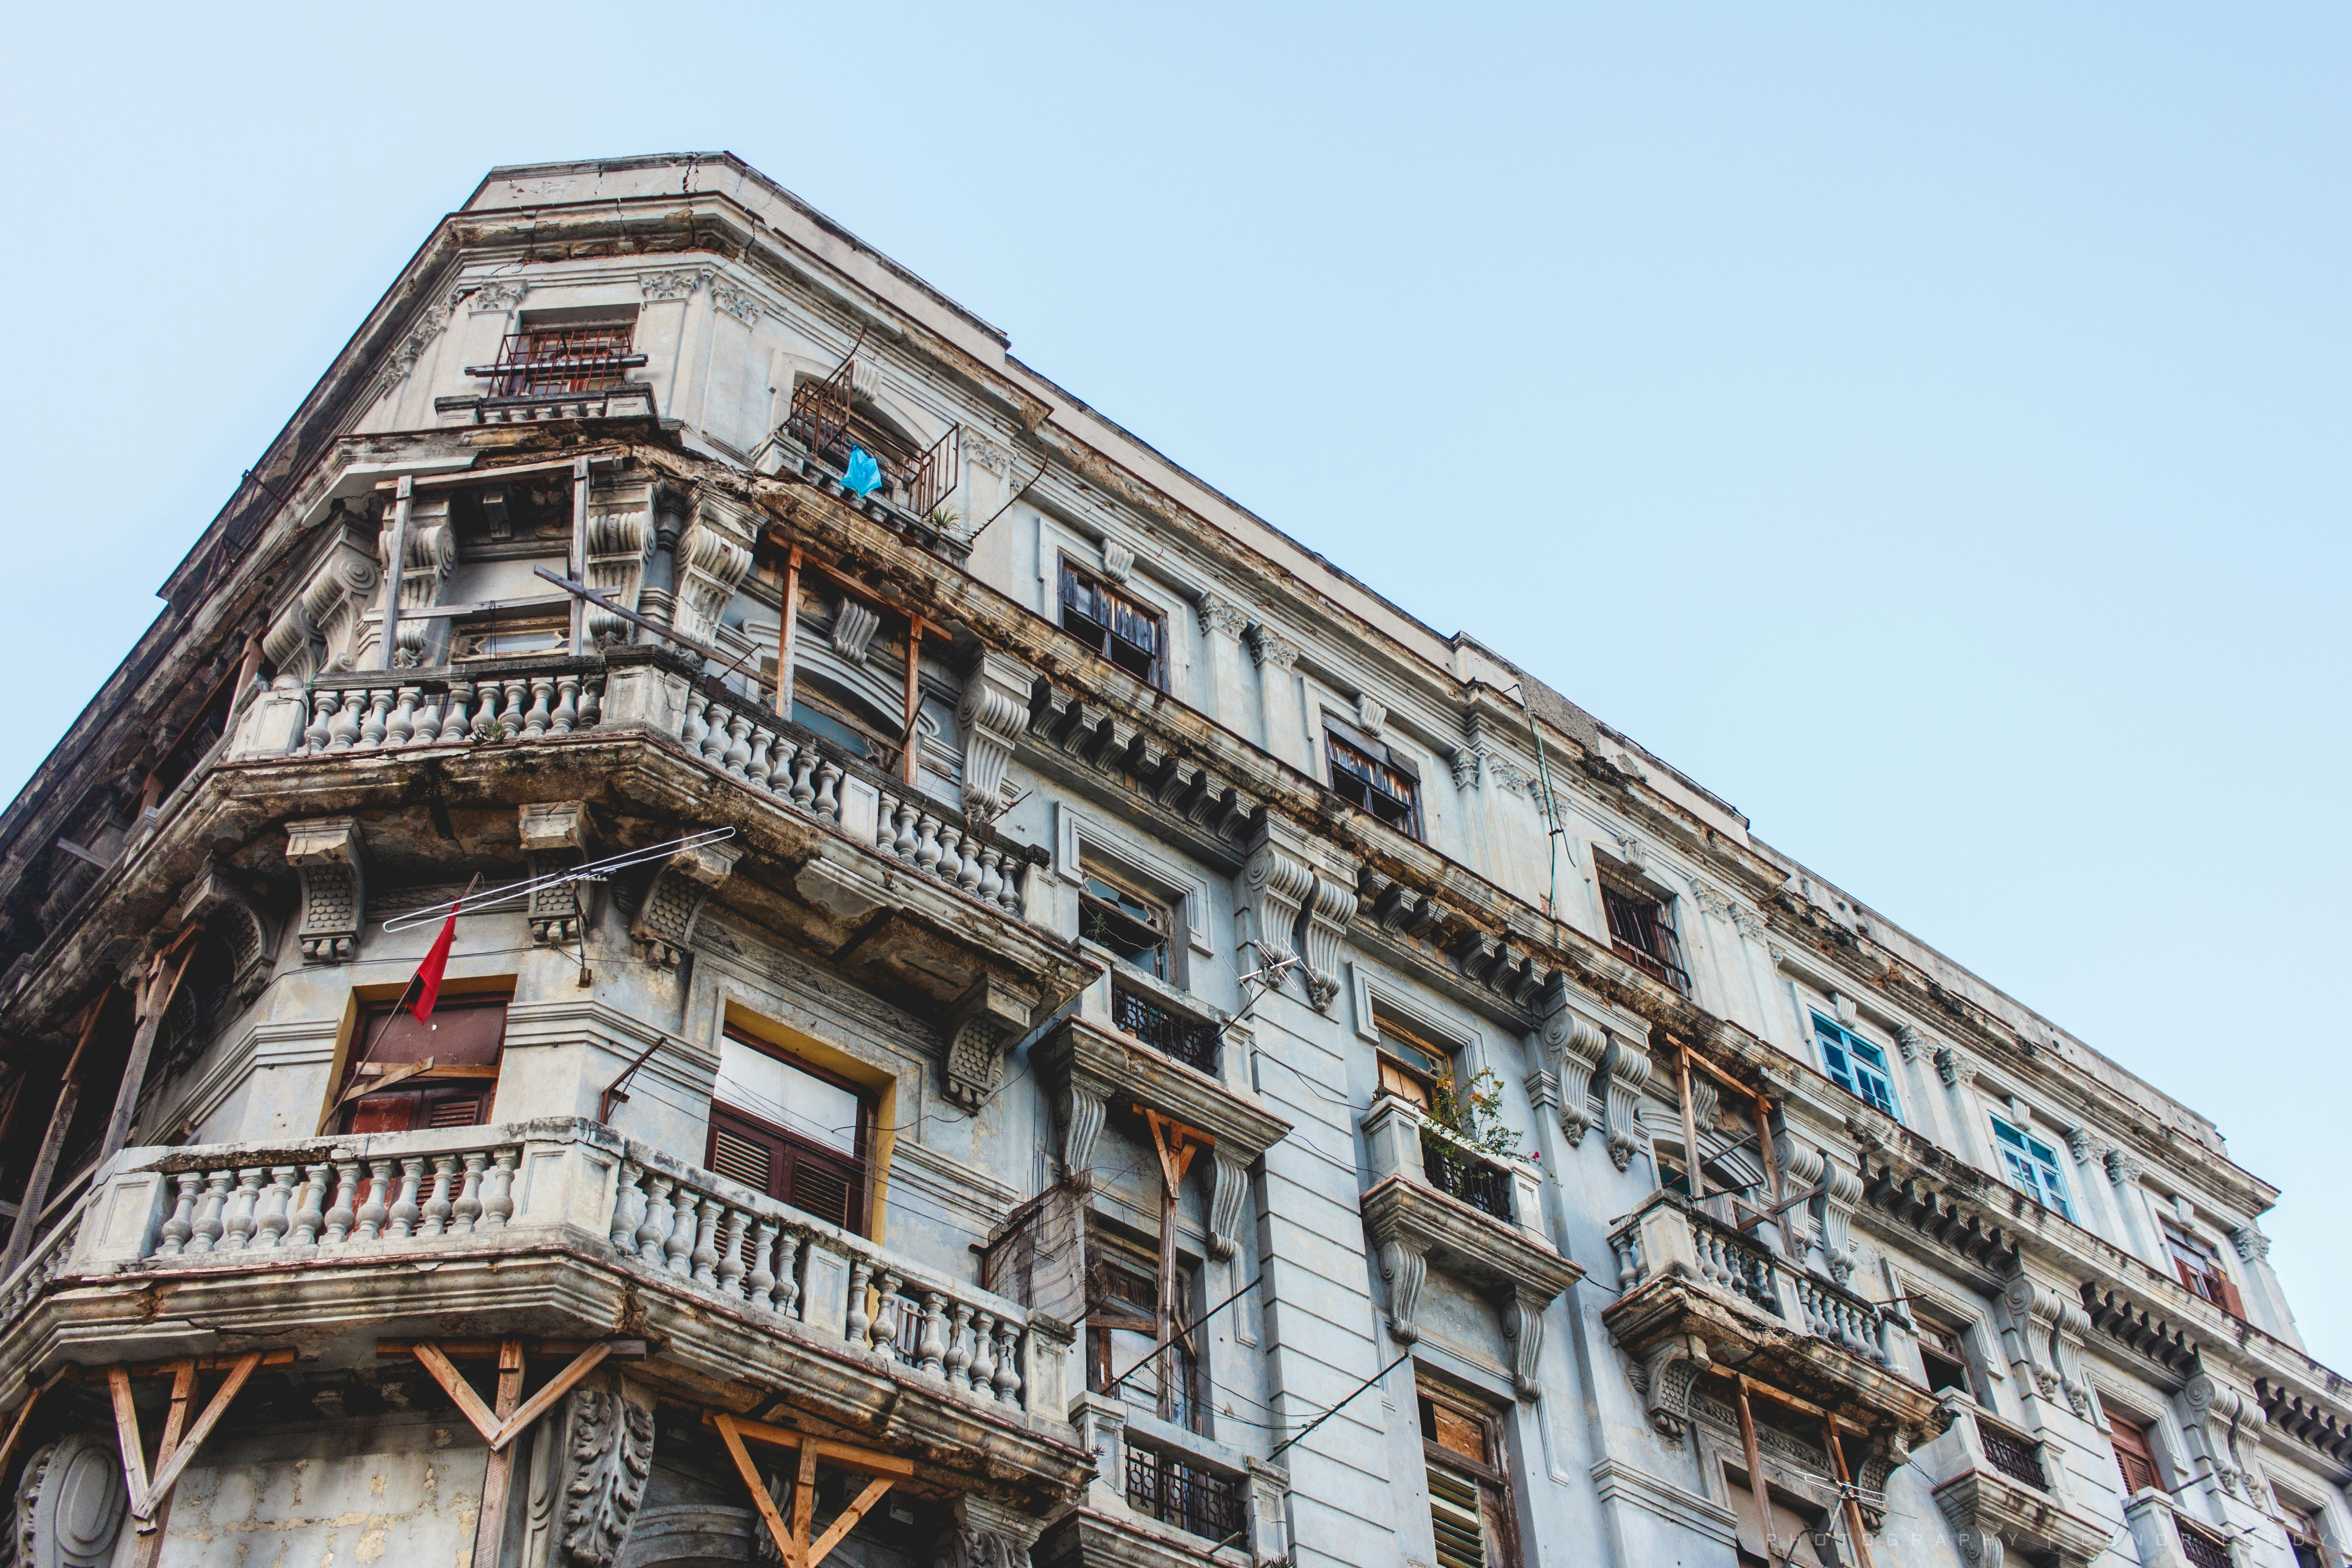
pixel 907 765
pixel 461 1394
pixel 557 1387
pixel 1845 1490
pixel 803 1506
pixel 1790 1401
pixel 156 1002
pixel 403 489
pixel 497 1470
pixel 864 1501
pixel 729 1433
pixel 840 1455
pixel 489 1350
pixel 147 1546
pixel 167 1472
pixel 126 1436
pixel 786 632
pixel 1693 1160
pixel 1757 1487
pixel 206 1363
pixel 45 1166
pixel 464 477
pixel 580 570
pixel 24 1415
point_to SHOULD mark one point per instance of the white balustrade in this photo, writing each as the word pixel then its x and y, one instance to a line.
pixel 396 715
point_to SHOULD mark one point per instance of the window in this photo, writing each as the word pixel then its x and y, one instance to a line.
pixel 464 1042
pixel 2134 1456
pixel 505 639
pixel 2303 1534
pixel 1412 1068
pixel 1202 1501
pixel 792 1131
pixel 2200 1268
pixel 1133 927
pixel 1856 1066
pixel 1945 1358
pixel 1372 777
pixel 1796 1535
pixel 1640 934
pixel 845 721
pixel 1187 1040
pixel 1114 625
pixel 587 357
pixel 2031 1167
pixel 1469 1496
pixel 1123 1324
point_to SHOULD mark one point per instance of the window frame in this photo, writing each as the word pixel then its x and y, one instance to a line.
pixel 1619 889
pixel 1372 755
pixel 1394 1045
pixel 2142 1447
pixel 2197 1265
pixel 857 1171
pixel 1164 928
pixel 1071 574
pixel 1947 1344
pixel 2006 1136
pixel 1492 1479
pixel 1184 1402
pixel 1834 1041
pixel 427 1094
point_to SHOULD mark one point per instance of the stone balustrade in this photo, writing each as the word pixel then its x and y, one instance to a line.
pixel 558 1182
pixel 1668 1234
pixel 744 739
pixel 397 709
pixel 937 842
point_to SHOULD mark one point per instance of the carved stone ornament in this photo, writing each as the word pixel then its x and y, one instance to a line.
pixel 2253 1245
pixel 1911 1041
pixel 2049 1325
pixel 70 1503
pixel 498 294
pixel 620 543
pixel 320 631
pixel 713 558
pixel 1625 1070
pixel 1404 1268
pixel 1372 714
pixel 993 711
pixel 1271 649
pixel 1575 1048
pixel 1118 561
pixel 1222 615
pixel 326 855
pixel 609 1457
pixel 853 625
pixel 1951 1066
pixel 987 1022
pixel 1225 1199
pixel 1668 1373
pixel 2223 1427
pixel 986 1534
pixel 738 302
pixel 1329 909
pixel 664 928
pixel 675 285
pixel 555 835
pixel 429 553
pixel 1276 882
pixel 2122 1169
pixel 251 939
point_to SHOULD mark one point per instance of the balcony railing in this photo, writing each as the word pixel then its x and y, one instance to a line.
pixel 2013 1455
pixel 501 700
pixel 1668 1228
pixel 389 1197
pixel 1187 1040
pixel 1202 1501
pixel 2203 1551
pixel 1458 1172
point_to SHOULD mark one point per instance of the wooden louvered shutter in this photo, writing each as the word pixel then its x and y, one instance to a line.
pixel 2134 1457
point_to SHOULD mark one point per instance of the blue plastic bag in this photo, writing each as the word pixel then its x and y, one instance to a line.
pixel 865 474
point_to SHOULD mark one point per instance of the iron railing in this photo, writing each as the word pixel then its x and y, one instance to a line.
pixel 819 417
pixel 2201 1550
pixel 1640 934
pixel 1202 1501
pixel 1170 1033
pixel 2013 1456
pixel 1458 1174
pixel 563 360
pixel 930 479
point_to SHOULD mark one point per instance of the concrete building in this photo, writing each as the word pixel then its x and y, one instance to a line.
pixel 1007 1013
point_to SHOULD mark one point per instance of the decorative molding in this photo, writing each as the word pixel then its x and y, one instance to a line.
pixel 319 631
pixel 1372 714
pixel 420 338
pixel 1225 1199
pixel 1218 614
pixel 1666 1374
pixel 737 301
pixel 987 1022
pixel 498 294
pixel 668 914
pixel 1276 882
pixel 1329 909
pixel 1841 1196
pixel 2078 1145
pixel 1953 1067
pixel 675 285
pixel 714 557
pixel 1576 1049
pixel 607 1459
pixel 853 625
pixel 70 1503
pixel 1625 1070
pixel 249 936
pixel 2123 1167
pixel 1118 561
pixel 1523 1323
pixel 1911 1042
pixel 1405 1269
pixel 620 543
pixel 2223 1426
pixel 555 836
pixel 326 854
pixel 2253 1246
pixel 1270 648
pixel 992 711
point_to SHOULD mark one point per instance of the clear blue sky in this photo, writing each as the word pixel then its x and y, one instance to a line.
pixel 1924 425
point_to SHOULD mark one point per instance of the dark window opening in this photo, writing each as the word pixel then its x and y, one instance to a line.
pixel 794 1132
pixel 1640 934
pixel 1946 1360
pixel 1470 1507
pixel 585 358
pixel 1123 1324
pixel 1369 777
pixel 2200 1268
pixel 464 1041
pixel 1114 625
pixel 1133 927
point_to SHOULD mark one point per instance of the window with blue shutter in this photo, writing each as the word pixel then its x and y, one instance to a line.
pixel 1856 1066
pixel 2033 1167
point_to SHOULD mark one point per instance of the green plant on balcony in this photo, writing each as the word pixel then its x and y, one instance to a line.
pixel 1473 1114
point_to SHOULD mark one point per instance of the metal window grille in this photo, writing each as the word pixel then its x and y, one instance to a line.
pixel 1638 933
pixel 563 360
pixel 2013 1457
pixel 1458 1174
pixel 1193 1044
pixel 1202 1501
pixel 2201 1550
pixel 820 412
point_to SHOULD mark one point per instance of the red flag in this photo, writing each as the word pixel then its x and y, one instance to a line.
pixel 425 988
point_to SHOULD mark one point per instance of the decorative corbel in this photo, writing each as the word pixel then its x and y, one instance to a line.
pixel 1801 1166
pixel 1081 1111
pixel 666 915
pixel 431 551
pixel 1626 1068
pixel 596 1481
pixel 1577 1048
pixel 620 545
pixel 2041 1319
pixel 713 558
pixel 250 936
pixel 1277 883
pixel 1405 1268
pixel 1841 1196
pixel 991 1018
pixel 1889 1450
pixel 1329 909
pixel 555 835
pixel 331 604
pixel 1952 1068
pixel 1523 1327
pixel 855 622
pixel 1232 1186
pixel 326 854
pixel 1911 1042
pixel 1669 1370
pixel 2223 1425
pixel 992 713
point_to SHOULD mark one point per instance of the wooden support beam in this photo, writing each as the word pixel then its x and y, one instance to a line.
pixel 496 1430
pixel 150 1493
pixel 786 632
pixel 147 1545
pixel 206 1363
pixel 45 1164
pixel 1791 1401
pixel 840 1455
pixel 848 1521
pixel 1764 1147
pixel 155 1001
pixel 1757 1488
pixel 778 1529
pixel 579 574
pixel 402 491
pixel 24 1417
pixel 792 1538
pixel 491 1349
pixel 906 761
pixel 1846 1489
pixel 1693 1161
pixel 498 1473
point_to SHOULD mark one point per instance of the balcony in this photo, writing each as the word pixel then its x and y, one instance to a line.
pixel 1089 1073
pixel 1436 1202
pixel 1696 1287
pixel 1165 1497
pixel 1998 1487
pixel 558 1229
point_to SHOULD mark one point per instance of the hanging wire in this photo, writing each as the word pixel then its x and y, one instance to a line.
pixel 595 871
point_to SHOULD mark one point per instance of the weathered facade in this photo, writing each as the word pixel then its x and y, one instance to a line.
pixel 1108 1043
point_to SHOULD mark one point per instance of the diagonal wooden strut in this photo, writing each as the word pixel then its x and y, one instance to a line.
pixel 495 1431
pixel 149 1493
pixel 883 1471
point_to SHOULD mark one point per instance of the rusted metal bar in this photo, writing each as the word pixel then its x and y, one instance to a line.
pixel 1692 1158
pixel 934 474
pixel 579 557
pixel 786 632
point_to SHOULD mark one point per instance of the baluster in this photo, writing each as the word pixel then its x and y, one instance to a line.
pixel 950 866
pixel 498 1190
pixel 374 1212
pixel 455 727
pixel 738 746
pixel 401 724
pixel 438 1206
pixel 535 724
pixel 968 871
pixel 886 1312
pixel 371 727
pixel 883 831
pixel 404 1205
pixel 566 717
pixel 308 1211
pixel 762 1280
pixel 697 727
pixel 731 1251
pixel 592 702
pixel 991 877
pixel 469 1206
pixel 680 1247
pixel 756 770
pixel 517 699
pixel 176 1230
pixel 983 1355
pixel 486 717
pixel 1012 898
pixel 705 1256
pixel 340 1213
pixel 805 760
pixel 927 850
pixel 428 721
pixel 932 1348
pixel 1008 1377
pixel 654 1232
pixel 958 1359
pixel 323 706
pixel 343 733
pixel 828 774
pixel 628 1207
pixel 788 1271
pixel 241 1203
pixel 903 845
pixel 859 1323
